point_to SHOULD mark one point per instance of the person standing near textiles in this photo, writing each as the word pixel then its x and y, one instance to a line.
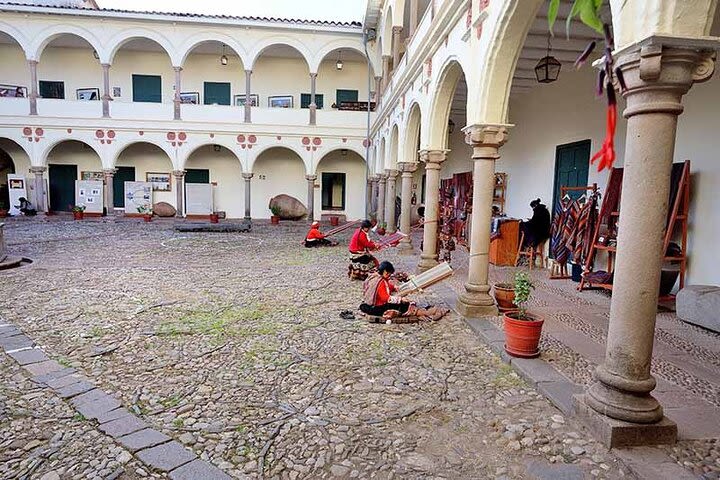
pixel 380 298
pixel 360 245
pixel 315 237
pixel 537 229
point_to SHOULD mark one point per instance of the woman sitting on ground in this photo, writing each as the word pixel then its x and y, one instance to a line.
pixel 380 298
pixel 26 208
pixel 315 237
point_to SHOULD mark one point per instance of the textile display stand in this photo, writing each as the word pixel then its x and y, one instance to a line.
pixel 609 216
pixel 559 269
pixel 426 279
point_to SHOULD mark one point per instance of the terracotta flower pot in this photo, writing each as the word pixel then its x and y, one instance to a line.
pixel 274 219
pixel 522 337
pixel 504 296
pixel 380 231
pixel 214 218
pixel 147 217
pixel 334 221
pixel 78 215
pixel 3 213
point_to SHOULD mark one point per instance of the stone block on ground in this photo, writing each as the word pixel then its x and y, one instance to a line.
pixel 539 470
pixel 196 470
pixel 561 394
pixel 534 370
pixel 699 305
pixel 46 378
pixel 90 396
pixel 289 208
pixel 103 409
pixel 143 439
pixel 74 389
pixel 43 368
pixel 225 227
pixel 123 426
pixel 26 357
pixel 164 209
pixel 15 342
pixel 166 457
pixel 9 331
pixel 64 380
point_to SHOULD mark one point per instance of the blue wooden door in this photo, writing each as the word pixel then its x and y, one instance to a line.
pixel 572 162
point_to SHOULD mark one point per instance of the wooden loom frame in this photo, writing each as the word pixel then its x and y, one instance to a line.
pixel 679 211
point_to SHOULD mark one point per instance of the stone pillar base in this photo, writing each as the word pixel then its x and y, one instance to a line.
pixel 617 433
pixel 426 264
pixel 405 248
pixel 476 306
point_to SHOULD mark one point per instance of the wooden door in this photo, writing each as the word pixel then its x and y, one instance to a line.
pixel 123 174
pixel 62 187
pixel 572 162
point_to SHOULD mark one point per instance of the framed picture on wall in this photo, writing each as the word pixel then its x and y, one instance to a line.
pixel 92 176
pixel 160 181
pixel 280 101
pixel 240 100
pixel 88 93
pixel 117 92
pixel 193 98
pixel 13 91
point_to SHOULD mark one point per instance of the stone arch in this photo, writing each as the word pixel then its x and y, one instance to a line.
pixel 380 164
pixel 225 172
pixel 17 36
pixel 226 145
pixel 209 37
pixel 412 134
pixel 277 169
pixel 268 42
pixel 387 43
pixel 350 148
pixel 52 145
pixel 253 159
pixel 14 158
pixel 393 146
pixel 353 166
pixel 124 147
pixel 126 36
pixel 43 39
pixel 340 45
pixel 442 99
pixel 64 158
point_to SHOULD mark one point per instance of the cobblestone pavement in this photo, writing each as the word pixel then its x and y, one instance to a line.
pixel 685 359
pixel 232 345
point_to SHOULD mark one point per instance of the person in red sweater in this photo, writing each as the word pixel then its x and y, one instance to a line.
pixel 360 245
pixel 380 298
pixel 315 237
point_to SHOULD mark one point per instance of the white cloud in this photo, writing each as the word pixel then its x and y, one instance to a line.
pixel 337 10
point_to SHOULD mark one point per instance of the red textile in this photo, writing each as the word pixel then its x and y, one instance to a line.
pixel 382 295
pixel 314 234
pixel 360 242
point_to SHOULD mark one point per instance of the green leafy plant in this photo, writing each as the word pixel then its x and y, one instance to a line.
pixel 523 290
pixel 145 209
pixel 587 10
pixel 275 210
pixel 79 208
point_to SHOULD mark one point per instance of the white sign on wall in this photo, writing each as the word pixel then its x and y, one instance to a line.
pixel 138 195
pixel 90 194
pixel 198 199
pixel 17 187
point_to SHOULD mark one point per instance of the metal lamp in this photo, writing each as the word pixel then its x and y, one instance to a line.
pixel 547 69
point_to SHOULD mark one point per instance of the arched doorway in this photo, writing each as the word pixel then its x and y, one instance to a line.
pixel 221 167
pixel 138 162
pixel 277 170
pixel 341 174
pixel 68 161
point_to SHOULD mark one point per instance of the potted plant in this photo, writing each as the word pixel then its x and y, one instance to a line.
pixel 78 212
pixel 334 221
pixel 146 212
pixel 214 217
pixel 504 293
pixel 275 218
pixel 522 330
pixel 381 228
pixel 3 210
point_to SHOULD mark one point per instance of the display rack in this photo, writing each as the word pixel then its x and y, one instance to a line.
pixel 500 191
pixel 559 271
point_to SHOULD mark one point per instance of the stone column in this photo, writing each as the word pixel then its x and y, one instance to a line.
pixel 313 105
pixel 33 86
pixel 40 197
pixel 390 200
pixel 405 247
pixel 413 16
pixel 106 90
pixel 374 195
pixel 179 191
pixel 248 110
pixel 378 90
pixel 177 101
pixel 368 196
pixel 485 141
pixel 311 196
pixel 385 73
pixel 396 31
pixel 433 160
pixel 657 77
pixel 380 210
pixel 109 174
pixel 247 177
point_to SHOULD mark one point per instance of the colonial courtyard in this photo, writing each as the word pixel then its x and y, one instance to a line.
pixel 232 345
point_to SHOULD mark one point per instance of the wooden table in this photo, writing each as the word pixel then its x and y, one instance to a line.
pixel 503 249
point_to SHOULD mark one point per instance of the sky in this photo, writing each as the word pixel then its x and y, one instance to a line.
pixel 337 10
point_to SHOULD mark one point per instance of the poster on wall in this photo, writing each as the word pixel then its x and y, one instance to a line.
pixel 198 199
pixel 138 197
pixel 17 188
pixel 90 194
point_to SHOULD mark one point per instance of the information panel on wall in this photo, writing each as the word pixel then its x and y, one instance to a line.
pixel 138 197
pixel 198 198
pixel 90 194
pixel 17 188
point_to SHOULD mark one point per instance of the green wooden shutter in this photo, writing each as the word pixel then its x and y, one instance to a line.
pixel 147 88
pixel 197 175
pixel 346 96
pixel 123 174
pixel 305 100
pixel 217 93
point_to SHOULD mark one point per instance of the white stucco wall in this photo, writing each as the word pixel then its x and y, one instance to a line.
pixel 277 170
pixel 353 166
pixel 225 171
pixel 568 111
pixel 148 158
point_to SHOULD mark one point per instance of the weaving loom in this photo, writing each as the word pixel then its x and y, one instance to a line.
pixel 391 240
pixel 426 279
pixel 342 228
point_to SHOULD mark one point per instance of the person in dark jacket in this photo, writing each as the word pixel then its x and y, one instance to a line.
pixel 537 229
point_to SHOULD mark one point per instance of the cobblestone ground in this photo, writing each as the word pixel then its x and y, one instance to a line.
pixel 232 344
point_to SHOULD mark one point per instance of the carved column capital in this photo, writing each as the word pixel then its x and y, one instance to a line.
pixel 38 170
pixel 397 30
pixel 486 135
pixel 247 176
pixel 178 173
pixel 109 172
pixel 433 158
pixel 391 173
pixel 407 168
pixel 310 178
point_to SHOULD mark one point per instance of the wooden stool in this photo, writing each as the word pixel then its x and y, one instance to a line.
pixel 531 253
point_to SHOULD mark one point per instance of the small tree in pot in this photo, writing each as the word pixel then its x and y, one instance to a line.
pixel 78 211
pixel 522 329
pixel 275 218
pixel 146 211
pixel 504 293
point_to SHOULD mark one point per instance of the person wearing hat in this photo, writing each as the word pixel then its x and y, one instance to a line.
pixel 315 237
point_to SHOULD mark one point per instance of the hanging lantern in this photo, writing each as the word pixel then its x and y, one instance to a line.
pixel 339 63
pixel 547 69
pixel 223 57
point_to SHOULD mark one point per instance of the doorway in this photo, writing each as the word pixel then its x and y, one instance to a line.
pixel 123 174
pixel 572 163
pixel 62 187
